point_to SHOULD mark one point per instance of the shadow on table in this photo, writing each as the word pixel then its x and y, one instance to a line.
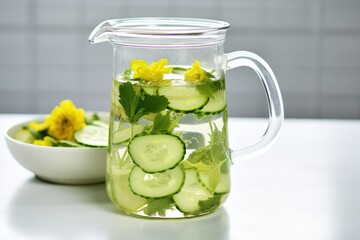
pixel 41 210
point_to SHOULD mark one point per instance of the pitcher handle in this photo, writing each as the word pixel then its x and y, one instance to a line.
pixel 274 100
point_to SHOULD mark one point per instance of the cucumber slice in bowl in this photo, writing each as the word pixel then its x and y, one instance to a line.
pixel 156 152
pixel 93 136
pixel 156 185
pixel 183 98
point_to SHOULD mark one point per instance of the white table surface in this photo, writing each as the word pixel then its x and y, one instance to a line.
pixel 306 187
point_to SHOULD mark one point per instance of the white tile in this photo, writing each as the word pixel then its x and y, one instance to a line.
pixel 57 48
pixel 13 12
pixel 15 77
pixel 340 50
pixel 16 101
pixel 253 42
pixel 57 13
pixel 341 82
pixel 52 77
pixel 301 106
pixel 47 100
pixel 96 101
pixel 96 78
pixel 100 53
pixel 95 14
pixel 341 15
pixel 243 80
pixel 14 48
pixel 292 14
pixel 340 107
pixel 243 15
pixel 292 50
pixel 298 80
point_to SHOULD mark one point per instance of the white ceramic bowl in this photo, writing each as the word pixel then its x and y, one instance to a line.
pixel 64 165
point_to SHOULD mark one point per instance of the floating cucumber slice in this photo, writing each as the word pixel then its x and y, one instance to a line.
pixel 222 185
pixel 156 152
pixel 150 90
pixel 183 98
pixel 124 134
pixel 187 200
pixel 215 104
pixel 123 196
pixel 156 185
pixel 92 135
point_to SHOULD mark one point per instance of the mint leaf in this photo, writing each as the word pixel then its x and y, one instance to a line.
pixel 210 204
pixel 162 122
pixel 158 206
pixel 201 155
pixel 128 100
pixel 136 106
pixel 209 87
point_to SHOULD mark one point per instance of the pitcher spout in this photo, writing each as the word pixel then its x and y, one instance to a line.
pixel 102 32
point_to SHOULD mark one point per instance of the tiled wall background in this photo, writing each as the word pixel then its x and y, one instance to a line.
pixel 313 47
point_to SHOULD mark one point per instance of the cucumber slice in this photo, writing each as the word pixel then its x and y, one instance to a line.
pixel 156 185
pixel 183 98
pixel 187 200
pixel 123 196
pixel 24 135
pixel 66 143
pixel 124 134
pixel 156 152
pixel 216 103
pixel 93 136
pixel 100 124
pixel 221 186
pixel 150 90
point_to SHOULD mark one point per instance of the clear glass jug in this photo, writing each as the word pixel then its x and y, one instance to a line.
pixel 168 153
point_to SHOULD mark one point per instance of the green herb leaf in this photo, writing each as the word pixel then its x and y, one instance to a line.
pixel 135 106
pixel 162 122
pixel 158 206
pixel 210 203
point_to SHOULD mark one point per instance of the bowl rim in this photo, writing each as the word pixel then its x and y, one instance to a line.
pixel 39 117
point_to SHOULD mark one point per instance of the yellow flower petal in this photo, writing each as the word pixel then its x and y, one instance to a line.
pixel 65 119
pixel 39 126
pixel 152 73
pixel 195 73
pixel 44 142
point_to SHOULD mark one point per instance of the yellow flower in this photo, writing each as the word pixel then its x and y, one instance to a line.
pixel 44 142
pixel 152 73
pixel 195 73
pixel 65 119
pixel 39 126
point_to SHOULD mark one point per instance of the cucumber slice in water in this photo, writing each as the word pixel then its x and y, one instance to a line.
pixel 216 103
pixel 183 98
pixel 187 200
pixel 93 136
pixel 156 152
pixel 221 186
pixel 150 90
pixel 123 196
pixel 124 134
pixel 156 185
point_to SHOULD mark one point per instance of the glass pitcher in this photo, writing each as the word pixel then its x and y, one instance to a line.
pixel 168 153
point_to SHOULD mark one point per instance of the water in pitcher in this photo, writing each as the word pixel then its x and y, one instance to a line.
pixel 168 151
